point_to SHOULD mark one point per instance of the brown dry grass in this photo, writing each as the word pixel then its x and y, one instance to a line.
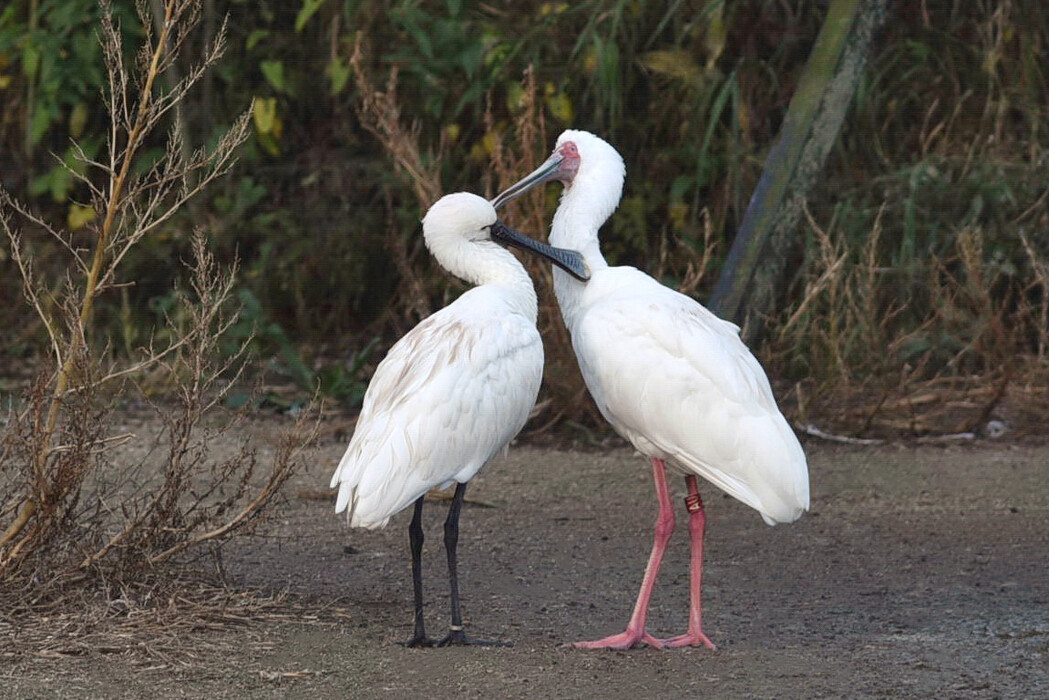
pixel 908 386
pixel 168 621
pixel 71 510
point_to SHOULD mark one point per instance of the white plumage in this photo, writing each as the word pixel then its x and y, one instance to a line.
pixel 452 393
pixel 679 384
pixel 446 400
pixel 670 377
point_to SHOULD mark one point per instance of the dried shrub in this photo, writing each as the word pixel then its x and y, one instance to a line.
pixel 380 114
pixel 69 507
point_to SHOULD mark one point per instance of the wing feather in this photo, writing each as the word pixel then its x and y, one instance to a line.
pixel 447 398
pixel 678 382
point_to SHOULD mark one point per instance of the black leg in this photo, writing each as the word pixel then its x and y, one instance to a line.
pixel 456 635
pixel 415 537
pixel 451 546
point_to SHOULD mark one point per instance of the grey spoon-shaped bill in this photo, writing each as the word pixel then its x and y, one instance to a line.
pixel 570 261
pixel 549 170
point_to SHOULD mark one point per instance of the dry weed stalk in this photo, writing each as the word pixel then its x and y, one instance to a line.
pixel 947 375
pixel 966 307
pixel 515 152
pixel 1040 269
pixel 380 114
pixel 528 148
pixel 838 312
pixel 57 473
pixel 825 289
pixel 695 270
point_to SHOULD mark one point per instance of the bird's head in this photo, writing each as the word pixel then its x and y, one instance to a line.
pixel 464 217
pixel 457 216
pixel 581 161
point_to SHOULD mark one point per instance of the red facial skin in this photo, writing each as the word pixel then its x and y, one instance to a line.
pixel 566 172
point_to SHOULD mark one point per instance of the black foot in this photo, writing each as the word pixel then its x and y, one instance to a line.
pixel 418 643
pixel 458 638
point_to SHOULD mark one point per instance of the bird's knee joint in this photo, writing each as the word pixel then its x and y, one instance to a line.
pixel 664 527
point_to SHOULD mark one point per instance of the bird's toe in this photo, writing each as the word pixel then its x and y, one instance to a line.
pixel 624 640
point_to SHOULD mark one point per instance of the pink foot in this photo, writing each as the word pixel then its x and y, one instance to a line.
pixel 689 639
pixel 635 630
pixel 624 640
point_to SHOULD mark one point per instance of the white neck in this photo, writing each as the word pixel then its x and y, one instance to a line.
pixel 485 262
pixel 585 206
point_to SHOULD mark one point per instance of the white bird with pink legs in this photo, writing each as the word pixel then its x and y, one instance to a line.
pixel 670 377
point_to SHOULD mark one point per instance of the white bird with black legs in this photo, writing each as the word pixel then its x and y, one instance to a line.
pixel 452 393
pixel 669 375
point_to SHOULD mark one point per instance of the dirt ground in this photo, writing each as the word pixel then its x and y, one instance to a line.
pixel 920 571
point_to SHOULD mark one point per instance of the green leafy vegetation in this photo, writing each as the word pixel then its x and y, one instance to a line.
pixel 921 259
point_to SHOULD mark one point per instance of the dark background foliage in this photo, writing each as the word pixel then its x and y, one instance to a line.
pixel 921 259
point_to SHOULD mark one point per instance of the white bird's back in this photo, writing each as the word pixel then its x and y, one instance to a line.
pixel 452 393
pixel 680 385
pixel 445 401
pixel 669 375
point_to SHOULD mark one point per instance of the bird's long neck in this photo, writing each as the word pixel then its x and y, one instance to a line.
pixel 575 226
pixel 488 263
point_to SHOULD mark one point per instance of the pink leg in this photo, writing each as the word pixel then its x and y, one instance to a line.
pixel 635 630
pixel 697 523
